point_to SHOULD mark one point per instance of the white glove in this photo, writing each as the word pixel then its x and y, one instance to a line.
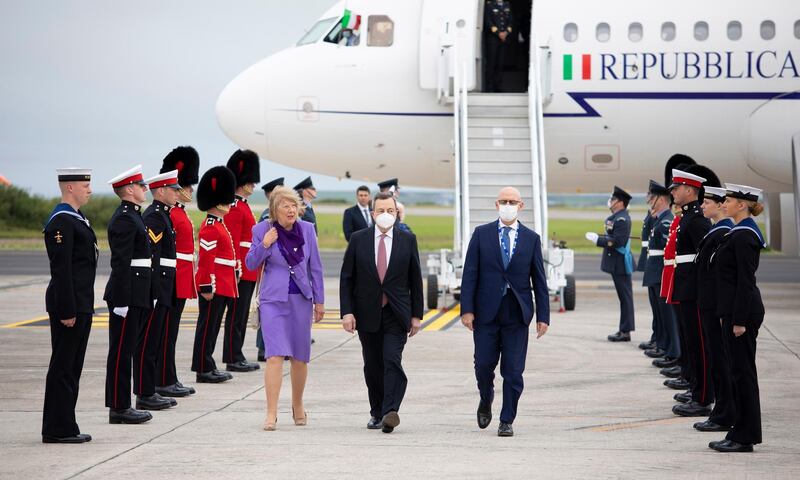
pixel 592 237
pixel 121 311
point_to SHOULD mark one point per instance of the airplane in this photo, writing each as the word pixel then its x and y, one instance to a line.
pixel 622 87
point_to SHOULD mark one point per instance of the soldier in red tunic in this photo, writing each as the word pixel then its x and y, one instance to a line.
pixel 240 221
pixel 186 161
pixel 216 270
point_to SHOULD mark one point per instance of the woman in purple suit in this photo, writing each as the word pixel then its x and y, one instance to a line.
pixel 291 295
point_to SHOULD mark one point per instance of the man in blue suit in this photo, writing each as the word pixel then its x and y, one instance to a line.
pixel 504 260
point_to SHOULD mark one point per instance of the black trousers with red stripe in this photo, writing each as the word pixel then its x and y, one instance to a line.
pixel 724 412
pixel 166 370
pixel 696 353
pixel 205 336
pixel 147 349
pixel 122 338
pixel 236 323
pixel 64 375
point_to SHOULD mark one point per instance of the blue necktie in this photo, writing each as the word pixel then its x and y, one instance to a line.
pixel 506 250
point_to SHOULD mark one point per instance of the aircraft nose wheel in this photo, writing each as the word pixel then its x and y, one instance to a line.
pixel 433 292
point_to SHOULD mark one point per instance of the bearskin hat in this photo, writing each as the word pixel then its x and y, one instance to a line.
pixel 217 187
pixel 186 161
pixel 245 166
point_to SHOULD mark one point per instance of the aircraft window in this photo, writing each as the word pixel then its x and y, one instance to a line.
pixel 346 37
pixel 734 30
pixel 668 31
pixel 380 31
pixel 797 29
pixel 603 32
pixel 317 31
pixel 635 32
pixel 701 31
pixel 570 32
pixel 767 29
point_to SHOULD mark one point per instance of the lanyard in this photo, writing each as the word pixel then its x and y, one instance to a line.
pixel 503 245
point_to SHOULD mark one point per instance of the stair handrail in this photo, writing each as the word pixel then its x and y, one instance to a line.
pixel 464 131
pixel 536 124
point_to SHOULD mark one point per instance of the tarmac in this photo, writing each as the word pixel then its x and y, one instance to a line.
pixel 591 408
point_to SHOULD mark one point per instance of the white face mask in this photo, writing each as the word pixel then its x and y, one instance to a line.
pixel 385 221
pixel 508 213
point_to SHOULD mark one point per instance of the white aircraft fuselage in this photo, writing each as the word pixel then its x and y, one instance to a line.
pixel 618 101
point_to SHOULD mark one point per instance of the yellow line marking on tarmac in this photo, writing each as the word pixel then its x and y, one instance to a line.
pixel 444 319
pixel 25 323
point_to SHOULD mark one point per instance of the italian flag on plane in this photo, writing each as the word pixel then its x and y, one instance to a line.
pixel 581 65
pixel 350 21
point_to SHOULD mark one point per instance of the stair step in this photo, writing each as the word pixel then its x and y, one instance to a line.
pixel 495 155
pixel 518 131
pixel 499 143
pixel 496 111
pixel 494 99
pixel 507 168
pixel 501 122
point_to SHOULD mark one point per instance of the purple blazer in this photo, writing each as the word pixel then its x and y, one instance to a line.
pixel 275 279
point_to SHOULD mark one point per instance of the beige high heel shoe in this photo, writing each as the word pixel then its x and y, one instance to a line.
pixel 270 426
pixel 300 422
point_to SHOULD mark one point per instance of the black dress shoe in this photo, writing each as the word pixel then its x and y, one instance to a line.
pixel 505 430
pixel 79 438
pixel 172 401
pixel 691 409
pixel 709 426
pixel 238 367
pixel 729 446
pixel 252 365
pixel 665 362
pixel 374 423
pixel 484 415
pixel 677 383
pixel 192 391
pixel 683 397
pixel 225 375
pixel 128 415
pixel 390 421
pixel 671 372
pixel 152 402
pixel 655 353
pixel 620 337
pixel 647 345
pixel 210 377
pixel 172 391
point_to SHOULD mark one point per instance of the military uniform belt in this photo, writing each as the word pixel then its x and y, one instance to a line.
pixel 226 262
pixel 141 262
pixel 655 253
pixel 185 256
pixel 685 258
pixel 245 244
pixel 168 262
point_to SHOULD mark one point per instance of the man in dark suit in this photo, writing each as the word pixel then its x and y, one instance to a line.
pixel 618 260
pixel 503 262
pixel 357 217
pixel 72 251
pixel 380 294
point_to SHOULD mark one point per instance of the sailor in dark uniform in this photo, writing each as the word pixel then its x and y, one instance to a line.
pixel 164 188
pixel 72 251
pixel 497 21
pixel 742 311
pixel 724 412
pixel 391 185
pixel 308 193
pixel 686 189
pixel 127 293
pixel 268 188
pixel 647 225
pixel 618 260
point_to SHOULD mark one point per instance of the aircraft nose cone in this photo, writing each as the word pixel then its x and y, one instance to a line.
pixel 241 112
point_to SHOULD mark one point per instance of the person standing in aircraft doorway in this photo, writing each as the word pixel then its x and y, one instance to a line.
pixel 496 30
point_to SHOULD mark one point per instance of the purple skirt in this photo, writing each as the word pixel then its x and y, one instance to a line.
pixel 286 327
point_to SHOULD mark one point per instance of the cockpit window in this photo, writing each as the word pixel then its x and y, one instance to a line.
pixel 347 31
pixel 317 31
pixel 380 31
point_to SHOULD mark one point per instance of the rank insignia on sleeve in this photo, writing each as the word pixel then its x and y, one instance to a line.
pixel 58 236
pixel 155 238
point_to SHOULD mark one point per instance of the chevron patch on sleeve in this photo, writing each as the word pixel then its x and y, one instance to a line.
pixel 153 237
pixel 208 245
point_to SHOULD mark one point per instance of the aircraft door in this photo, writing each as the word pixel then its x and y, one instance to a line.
pixel 443 23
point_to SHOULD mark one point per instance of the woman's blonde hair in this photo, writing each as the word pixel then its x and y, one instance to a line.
pixel 755 208
pixel 281 194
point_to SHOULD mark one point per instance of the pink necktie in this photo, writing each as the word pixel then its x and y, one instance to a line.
pixel 382 264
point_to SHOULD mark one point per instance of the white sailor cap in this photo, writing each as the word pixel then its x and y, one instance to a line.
pixel 167 179
pixel 680 177
pixel 714 193
pixel 73 174
pixel 742 192
pixel 134 175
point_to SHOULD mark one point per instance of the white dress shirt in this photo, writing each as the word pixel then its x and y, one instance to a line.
pixel 512 236
pixel 387 243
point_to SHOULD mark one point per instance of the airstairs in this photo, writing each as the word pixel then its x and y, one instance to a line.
pixel 498 141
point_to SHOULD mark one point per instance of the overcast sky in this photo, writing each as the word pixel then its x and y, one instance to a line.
pixel 107 84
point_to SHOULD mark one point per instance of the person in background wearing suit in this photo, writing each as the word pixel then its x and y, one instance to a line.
pixel 307 192
pixel 292 292
pixel 381 296
pixel 359 216
pixel 617 259
pixel 503 264
pixel 72 251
